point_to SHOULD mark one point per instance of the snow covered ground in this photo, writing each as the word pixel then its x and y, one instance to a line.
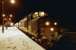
pixel 14 39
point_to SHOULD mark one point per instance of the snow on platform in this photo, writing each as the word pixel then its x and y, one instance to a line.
pixel 14 39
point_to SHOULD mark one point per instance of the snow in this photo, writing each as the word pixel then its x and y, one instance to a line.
pixel 14 39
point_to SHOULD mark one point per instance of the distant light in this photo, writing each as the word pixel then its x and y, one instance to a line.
pixel 12 1
pixel 3 15
pixel 11 24
pixel 47 23
pixel 55 23
pixel 41 13
pixel 51 29
pixel 11 15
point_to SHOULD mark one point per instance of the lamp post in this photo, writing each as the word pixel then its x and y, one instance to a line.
pixel 3 15
pixel 3 11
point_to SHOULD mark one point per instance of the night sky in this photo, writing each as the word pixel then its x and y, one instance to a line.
pixel 66 9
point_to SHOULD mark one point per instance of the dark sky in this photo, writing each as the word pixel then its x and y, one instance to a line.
pixel 67 9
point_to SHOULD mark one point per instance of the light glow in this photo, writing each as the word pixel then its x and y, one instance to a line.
pixel 11 24
pixel 51 29
pixel 47 23
pixel 12 1
pixel 3 15
pixel 55 23
pixel 41 14
pixel 35 15
pixel 11 15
